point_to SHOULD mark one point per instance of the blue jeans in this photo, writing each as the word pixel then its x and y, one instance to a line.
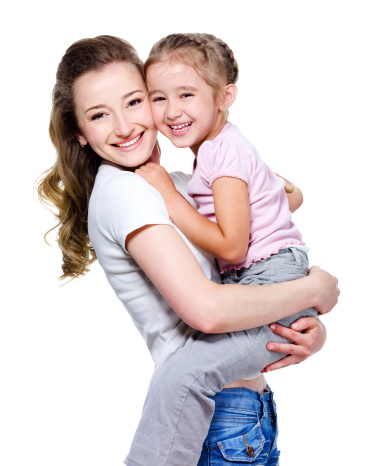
pixel 243 430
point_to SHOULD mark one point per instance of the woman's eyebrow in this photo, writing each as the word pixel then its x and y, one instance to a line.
pixel 125 96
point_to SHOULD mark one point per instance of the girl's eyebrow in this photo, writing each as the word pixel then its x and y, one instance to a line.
pixel 125 96
pixel 179 88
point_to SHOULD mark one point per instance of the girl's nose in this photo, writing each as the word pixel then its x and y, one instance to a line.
pixel 173 111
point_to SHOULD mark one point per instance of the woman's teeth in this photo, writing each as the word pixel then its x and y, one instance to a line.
pixel 130 143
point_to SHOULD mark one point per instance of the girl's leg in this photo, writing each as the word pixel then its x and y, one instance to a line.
pixel 243 430
pixel 178 408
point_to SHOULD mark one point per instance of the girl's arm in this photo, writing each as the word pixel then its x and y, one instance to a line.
pixel 227 238
pixel 293 193
pixel 166 259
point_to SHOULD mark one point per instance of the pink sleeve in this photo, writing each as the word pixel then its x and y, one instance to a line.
pixel 224 158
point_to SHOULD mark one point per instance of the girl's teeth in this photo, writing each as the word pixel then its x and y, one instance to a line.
pixel 129 143
pixel 181 126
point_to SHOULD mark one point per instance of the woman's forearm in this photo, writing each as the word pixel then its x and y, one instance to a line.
pixel 243 307
pixel 165 258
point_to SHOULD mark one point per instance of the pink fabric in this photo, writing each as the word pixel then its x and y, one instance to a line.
pixel 230 154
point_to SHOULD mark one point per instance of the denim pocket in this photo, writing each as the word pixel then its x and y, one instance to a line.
pixel 244 448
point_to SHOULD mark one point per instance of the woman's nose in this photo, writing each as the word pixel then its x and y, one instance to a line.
pixel 123 126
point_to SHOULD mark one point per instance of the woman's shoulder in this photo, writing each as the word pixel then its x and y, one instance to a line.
pixel 114 184
pixel 122 202
pixel 119 194
pixel 180 179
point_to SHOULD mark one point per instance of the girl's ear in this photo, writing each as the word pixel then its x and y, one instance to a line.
pixel 229 94
pixel 82 140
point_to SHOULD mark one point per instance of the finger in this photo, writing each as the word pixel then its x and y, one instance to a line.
pixel 304 323
pixel 288 348
pixel 314 267
pixel 140 170
pixel 286 332
pixel 285 362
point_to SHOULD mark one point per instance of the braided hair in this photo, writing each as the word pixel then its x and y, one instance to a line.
pixel 211 58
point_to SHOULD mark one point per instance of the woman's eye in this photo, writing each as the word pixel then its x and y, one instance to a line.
pixel 97 116
pixel 134 102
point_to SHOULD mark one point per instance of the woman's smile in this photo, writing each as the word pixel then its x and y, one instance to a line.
pixel 130 144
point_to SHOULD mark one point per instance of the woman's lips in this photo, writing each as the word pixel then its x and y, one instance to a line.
pixel 132 144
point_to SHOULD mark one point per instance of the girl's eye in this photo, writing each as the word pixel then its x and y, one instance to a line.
pixel 186 95
pixel 97 116
pixel 134 102
pixel 158 99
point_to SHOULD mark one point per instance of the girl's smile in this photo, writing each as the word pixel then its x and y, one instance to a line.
pixel 114 115
pixel 180 130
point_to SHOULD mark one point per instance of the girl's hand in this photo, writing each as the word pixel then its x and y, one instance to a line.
pixel 158 177
pixel 327 291
pixel 308 335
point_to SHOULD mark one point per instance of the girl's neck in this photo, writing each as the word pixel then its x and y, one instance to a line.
pixel 210 137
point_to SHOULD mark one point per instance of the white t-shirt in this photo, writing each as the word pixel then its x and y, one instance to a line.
pixel 122 202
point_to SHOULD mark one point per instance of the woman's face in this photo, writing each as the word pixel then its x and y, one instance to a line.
pixel 114 115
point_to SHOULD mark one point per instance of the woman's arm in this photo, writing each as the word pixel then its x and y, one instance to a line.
pixel 166 259
pixel 308 336
pixel 228 237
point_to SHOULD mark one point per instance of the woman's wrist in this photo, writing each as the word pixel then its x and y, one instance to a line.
pixel 323 288
pixel 314 291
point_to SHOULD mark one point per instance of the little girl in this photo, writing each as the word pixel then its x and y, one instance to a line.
pixel 243 216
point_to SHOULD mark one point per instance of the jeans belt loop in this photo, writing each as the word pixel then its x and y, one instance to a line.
pixel 297 256
pixel 265 411
pixel 272 408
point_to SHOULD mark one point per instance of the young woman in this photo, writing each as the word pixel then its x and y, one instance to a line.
pixel 102 129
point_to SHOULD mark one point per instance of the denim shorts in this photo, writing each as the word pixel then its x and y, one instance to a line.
pixel 243 430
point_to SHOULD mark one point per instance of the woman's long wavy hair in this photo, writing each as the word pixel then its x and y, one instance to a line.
pixel 67 185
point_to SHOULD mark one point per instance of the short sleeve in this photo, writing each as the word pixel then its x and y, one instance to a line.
pixel 125 203
pixel 221 158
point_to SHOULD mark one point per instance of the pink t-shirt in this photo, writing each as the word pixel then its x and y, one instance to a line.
pixel 231 154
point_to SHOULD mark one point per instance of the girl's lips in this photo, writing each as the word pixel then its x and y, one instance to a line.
pixel 131 144
pixel 181 129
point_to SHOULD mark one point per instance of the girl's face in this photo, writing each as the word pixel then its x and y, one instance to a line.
pixel 183 105
pixel 114 115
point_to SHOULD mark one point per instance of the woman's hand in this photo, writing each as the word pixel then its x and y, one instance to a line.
pixel 327 291
pixel 308 335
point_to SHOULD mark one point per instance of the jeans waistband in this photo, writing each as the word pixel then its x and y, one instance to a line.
pixel 298 254
pixel 243 398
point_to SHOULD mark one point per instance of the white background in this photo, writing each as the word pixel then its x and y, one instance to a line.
pixel 74 370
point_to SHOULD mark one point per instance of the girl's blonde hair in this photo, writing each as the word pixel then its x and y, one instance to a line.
pixel 211 58
pixel 68 184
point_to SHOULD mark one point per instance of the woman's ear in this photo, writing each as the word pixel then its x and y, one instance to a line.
pixel 82 140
